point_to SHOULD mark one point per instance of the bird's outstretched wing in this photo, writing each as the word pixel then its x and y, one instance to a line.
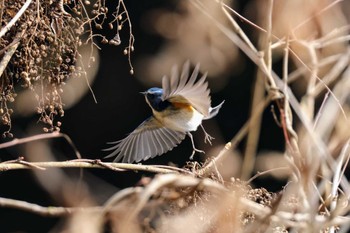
pixel 196 93
pixel 147 141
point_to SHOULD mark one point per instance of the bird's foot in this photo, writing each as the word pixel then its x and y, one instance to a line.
pixel 194 148
pixel 207 137
pixel 194 151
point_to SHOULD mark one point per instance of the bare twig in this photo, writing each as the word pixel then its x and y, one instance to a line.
pixel 130 47
pixel 15 18
pixel 258 174
pixel 253 54
pixel 342 161
pixel 333 74
pixel 205 171
pixel 332 4
pixel 258 96
pixel 318 79
pixel 51 211
pixel 84 163
pixel 237 27
pixel 7 57
pixel 17 141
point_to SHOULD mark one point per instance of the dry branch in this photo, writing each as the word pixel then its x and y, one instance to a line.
pixel 51 211
pixel 84 163
pixel 15 18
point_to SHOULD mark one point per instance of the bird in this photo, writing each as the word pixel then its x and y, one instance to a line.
pixel 178 108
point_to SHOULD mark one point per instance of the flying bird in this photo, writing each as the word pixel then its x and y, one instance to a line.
pixel 178 108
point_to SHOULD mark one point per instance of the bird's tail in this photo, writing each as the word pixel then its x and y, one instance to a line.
pixel 214 111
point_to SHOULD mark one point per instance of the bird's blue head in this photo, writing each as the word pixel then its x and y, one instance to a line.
pixel 154 99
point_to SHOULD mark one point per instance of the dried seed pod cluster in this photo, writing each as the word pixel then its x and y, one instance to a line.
pixel 47 37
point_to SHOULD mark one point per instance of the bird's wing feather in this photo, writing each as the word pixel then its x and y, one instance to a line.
pixel 147 141
pixel 196 93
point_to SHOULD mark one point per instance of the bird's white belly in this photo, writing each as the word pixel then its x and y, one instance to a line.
pixel 181 120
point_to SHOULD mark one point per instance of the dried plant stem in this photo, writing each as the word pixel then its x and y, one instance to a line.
pixel 308 101
pixel 17 141
pixel 258 96
pixel 51 211
pixel 342 161
pixel 326 122
pixel 7 57
pixel 15 18
pixel 253 54
pixel 82 163
pixel 296 108
pixel 142 195
pixel 290 135
pixel 254 129
pixel 130 47
pixel 266 172
pixel 332 4
pixel 333 74
pixel 294 75
pixel 237 28
pixel 208 169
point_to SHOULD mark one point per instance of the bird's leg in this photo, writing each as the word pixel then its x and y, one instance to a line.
pixel 207 137
pixel 194 148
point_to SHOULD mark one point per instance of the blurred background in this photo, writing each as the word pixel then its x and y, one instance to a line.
pixel 166 33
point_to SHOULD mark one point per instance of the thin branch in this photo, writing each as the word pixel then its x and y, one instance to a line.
pixel 320 80
pixel 331 5
pixel 294 75
pixel 333 74
pixel 82 163
pixel 320 111
pixel 17 141
pixel 236 26
pixel 258 174
pixel 253 55
pixel 258 96
pixel 15 18
pixel 206 170
pixel 343 158
pixel 7 57
pixel 51 211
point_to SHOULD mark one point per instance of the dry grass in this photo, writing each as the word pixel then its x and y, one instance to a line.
pixel 312 41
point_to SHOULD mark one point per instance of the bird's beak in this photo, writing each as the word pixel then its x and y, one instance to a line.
pixel 143 92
